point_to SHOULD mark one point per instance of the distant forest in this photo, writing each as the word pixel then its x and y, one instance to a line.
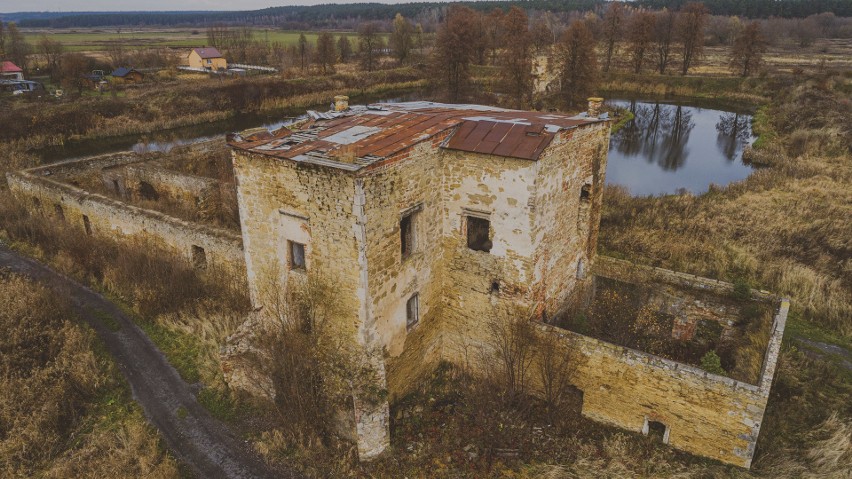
pixel 331 15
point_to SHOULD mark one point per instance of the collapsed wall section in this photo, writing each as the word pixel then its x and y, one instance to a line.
pixel 702 413
pixel 99 215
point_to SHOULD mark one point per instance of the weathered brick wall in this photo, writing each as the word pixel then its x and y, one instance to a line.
pixel 408 183
pixel 114 219
pixel 566 225
pixel 323 209
pixel 705 414
pixel 480 285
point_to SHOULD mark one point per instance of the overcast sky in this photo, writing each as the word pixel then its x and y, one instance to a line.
pixel 9 6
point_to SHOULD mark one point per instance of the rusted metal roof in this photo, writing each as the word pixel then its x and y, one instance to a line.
pixel 363 135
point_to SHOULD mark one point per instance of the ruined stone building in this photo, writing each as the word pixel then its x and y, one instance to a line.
pixel 432 218
pixel 428 220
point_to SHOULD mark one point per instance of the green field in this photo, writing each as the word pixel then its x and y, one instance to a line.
pixel 96 40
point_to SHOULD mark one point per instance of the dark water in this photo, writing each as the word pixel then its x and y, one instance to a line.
pixel 165 140
pixel 669 148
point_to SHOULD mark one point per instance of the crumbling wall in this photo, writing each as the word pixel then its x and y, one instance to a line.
pixel 704 414
pixel 568 198
pixel 479 285
pixel 321 208
pixel 406 185
pixel 98 215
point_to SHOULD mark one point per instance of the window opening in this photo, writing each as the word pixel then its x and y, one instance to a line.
pixel 412 310
pixel 297 256
pixel 477 234
pixel 199 257
pixel 406 235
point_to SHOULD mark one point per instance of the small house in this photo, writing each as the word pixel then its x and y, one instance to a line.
pixel 10 71
pixel 128 75
pixel 207 58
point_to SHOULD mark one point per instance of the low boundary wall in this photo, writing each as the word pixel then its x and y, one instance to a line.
pixel 99 215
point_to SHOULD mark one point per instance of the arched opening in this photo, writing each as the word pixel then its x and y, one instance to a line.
pixel 656 431
pixel 147 191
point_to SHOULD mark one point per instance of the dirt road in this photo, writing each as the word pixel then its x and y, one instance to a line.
pixel 197 439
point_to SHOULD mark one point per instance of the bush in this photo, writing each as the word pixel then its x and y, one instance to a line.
pixel 711 363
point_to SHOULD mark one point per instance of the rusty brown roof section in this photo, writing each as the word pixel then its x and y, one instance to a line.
pixel 367 135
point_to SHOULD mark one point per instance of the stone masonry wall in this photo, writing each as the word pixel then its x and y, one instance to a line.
pixel 481 285
pixel 322 208
pixel 566 222
pixel 406 184
pixel 105 216
pixel 704 414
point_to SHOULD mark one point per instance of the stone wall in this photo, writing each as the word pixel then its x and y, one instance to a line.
pixel 704 414
pixel 321 208
pixel 99 215
pixel 189 190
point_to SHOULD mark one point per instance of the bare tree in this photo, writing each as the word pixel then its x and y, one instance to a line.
pixel 640 34
pixel 73 67
pixel 370 44
pixel 516 59
pixel 511 341
pixel 455 50
pixel 401 39
pixel 326 52
pixel 541 35
pixel 690 34
pixel 747 50
pixel 303 51
pixel 17 48
pixel 555 370
pixel 52 51
pixel 664 33
pixel 116 54
pixel 577 64
pixel 344 47
pixel 494 33
pixel 613 24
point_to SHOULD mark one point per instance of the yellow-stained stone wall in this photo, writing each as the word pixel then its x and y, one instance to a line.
pixel 541 229
pixel 566 227
pixel 114 219
pixel 704 414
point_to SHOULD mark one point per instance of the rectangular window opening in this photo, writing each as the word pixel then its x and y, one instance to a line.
pixel 412 310
pixel 478 234
pixel 87 225
pixel 406 235
pixel 297 255
pixel 199 257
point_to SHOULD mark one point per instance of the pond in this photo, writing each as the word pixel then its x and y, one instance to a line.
pixel 673 148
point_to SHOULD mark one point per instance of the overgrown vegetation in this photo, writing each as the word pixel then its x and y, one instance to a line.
pixel 65 411
pixel 784 228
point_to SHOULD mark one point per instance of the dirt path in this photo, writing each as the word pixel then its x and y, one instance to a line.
pixel 193 436
pixel 842 356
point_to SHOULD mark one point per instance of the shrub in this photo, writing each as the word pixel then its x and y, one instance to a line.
pixel 711 363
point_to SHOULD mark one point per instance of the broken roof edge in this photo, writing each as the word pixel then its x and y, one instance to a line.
pixel 504 133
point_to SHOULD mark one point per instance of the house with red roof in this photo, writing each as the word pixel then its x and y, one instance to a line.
pixel 10 71
pixel 207 58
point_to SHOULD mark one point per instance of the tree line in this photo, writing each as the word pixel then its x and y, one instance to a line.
pixel 342 16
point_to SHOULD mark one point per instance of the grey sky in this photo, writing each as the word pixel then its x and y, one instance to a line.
pixel 9 6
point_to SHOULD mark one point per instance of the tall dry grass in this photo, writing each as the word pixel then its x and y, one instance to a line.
pixel 785 228
pixel 53 420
